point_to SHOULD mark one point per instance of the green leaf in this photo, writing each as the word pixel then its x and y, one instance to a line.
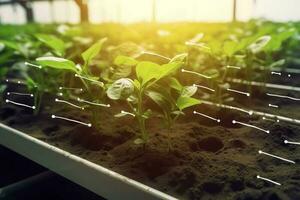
pixel 137 84
pixel 188 91
pixel 185 102
pixel 2 46
pixel 2 88
pixel 146 71
pixel 177 112
pixel 174 83
pixel 53 42
pixel 147 114
pixel 9 44
pixel 167 69
pixel 31 84
pixel 125 60
pixel 230 48
pixel 179 58
pixel 92 52
pixel 212 73
pixel 158 98
pixel 259 44
pixel 120 89
pixel 124 67
pixel 57 63
pixel 277 63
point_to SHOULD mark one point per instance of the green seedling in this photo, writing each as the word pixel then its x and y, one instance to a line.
pixel 94 88
pixel 134 92
pixel 172 107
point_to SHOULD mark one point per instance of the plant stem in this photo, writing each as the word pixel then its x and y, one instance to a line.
pixel 140 117
pixel 37 102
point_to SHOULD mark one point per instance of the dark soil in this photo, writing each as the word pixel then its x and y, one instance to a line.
pixel 208 160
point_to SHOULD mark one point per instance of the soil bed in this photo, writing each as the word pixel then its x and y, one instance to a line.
pixel 209 160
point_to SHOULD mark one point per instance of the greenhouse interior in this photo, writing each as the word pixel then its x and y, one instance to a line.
pixel 149 100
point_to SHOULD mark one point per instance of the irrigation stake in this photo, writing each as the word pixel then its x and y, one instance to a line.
pixel 19 104
pixel 283 96
pixel 155 54
pixel 83 77
pixel 68 88
pixel 272 120
pixel 15 81
pixel 272 105
pixel 209 117
pixel 92 103
pixel 204 87
pixel 251 126
pixel 239 92
pixel 201 45
pixel 268 85
pixel 288 142
pixel 20 94
pixel 127 113
pixel 71 120
pixel 69 103
pixel 269 180
pixel 233 67
pixel 250 112
pixel 276 73
pixel 274 156
pixel 196 73
pixel 33 65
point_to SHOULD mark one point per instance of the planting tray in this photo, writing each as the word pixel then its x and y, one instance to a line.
pixel 95 178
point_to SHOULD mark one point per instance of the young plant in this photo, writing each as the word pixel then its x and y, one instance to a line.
pixel 172 107
pixel 134 92
pixel 90 82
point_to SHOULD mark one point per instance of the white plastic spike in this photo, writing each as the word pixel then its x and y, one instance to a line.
pixel 249 125
pixel 268 180
pixel 127 113
pixel 209 117
pixel 20 94
pixel 33 65
pixel 239 92
pixel 69 103
pixel 204 87
pixel 155 54
pixel 274 106
pixel 92 103
pixel 20 104
pixel 15 81
pixel 288 142
pixel 201 45
pixel 276 73
pixel 196 73
pixel 71 120
pixel 68 88
pixel 283 96
pixel 233 67
pixel 91 80
pixel 272 120
pixel 278 157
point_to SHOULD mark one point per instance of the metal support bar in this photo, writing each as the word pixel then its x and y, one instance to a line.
pixel 25 185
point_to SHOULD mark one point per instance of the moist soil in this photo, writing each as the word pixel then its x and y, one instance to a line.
pixel 207 160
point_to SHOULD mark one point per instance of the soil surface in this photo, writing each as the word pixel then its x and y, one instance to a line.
pixel 208 160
